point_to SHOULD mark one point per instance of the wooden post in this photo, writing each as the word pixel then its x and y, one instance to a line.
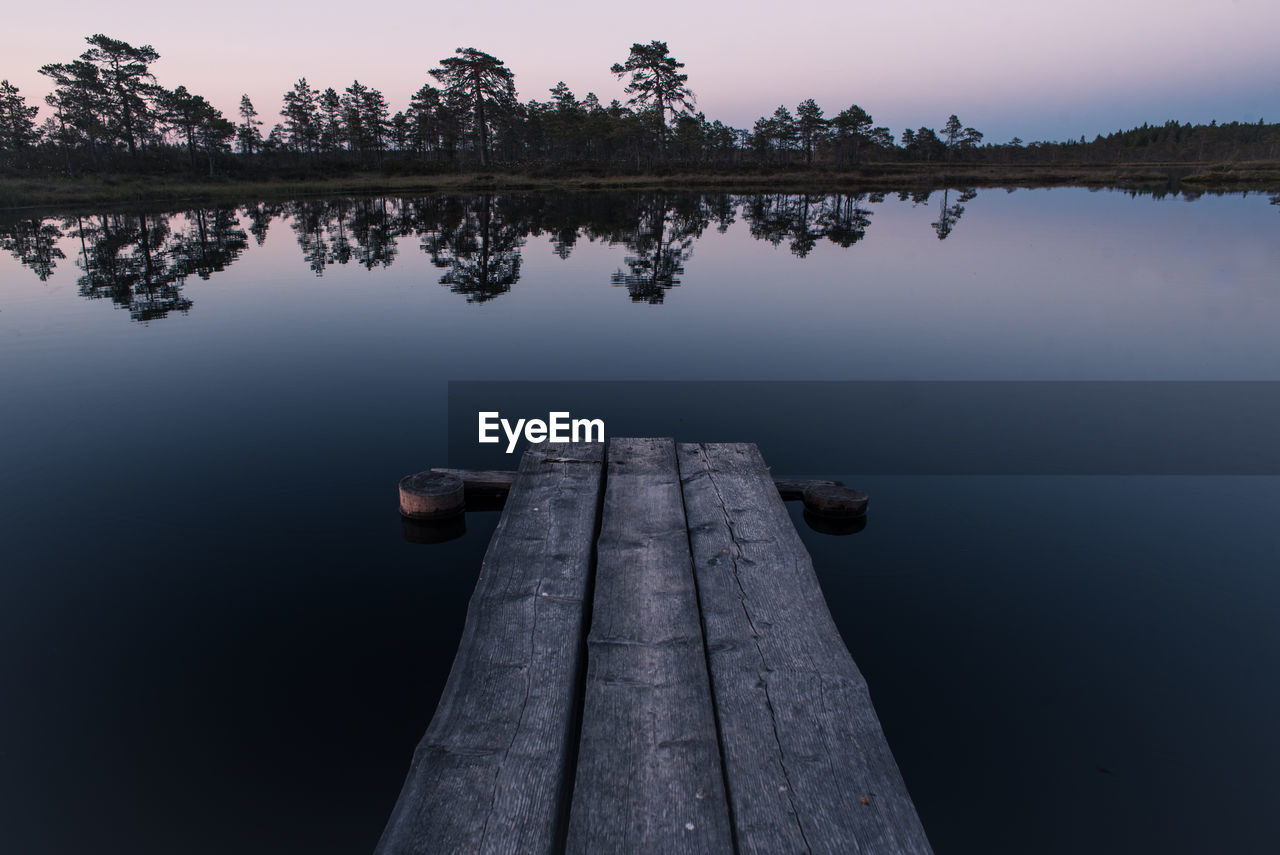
pixel 431 496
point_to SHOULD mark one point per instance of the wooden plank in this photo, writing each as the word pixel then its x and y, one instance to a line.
pixel 494 771
pixel 801 743
pixel 494 483
pixel 790 489
pixel 649 777
pixel 482 483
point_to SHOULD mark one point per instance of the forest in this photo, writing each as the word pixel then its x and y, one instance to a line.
pixel 108 114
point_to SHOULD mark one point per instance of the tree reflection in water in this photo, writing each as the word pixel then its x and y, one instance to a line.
pixel 949 215
pixel 660 242
pixel 478 248
pixel 34 242
pixel 140 261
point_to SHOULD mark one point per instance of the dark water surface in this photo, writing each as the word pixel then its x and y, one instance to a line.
pixel 213 637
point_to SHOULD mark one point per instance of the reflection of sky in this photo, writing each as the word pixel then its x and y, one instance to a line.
pixel 1042 284
pixel 1034 69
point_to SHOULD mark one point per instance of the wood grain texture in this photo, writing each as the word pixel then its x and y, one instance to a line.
pixel 649 776
pixel 492 483
pixel 801 742
pixel 790 489
pixel 431 496
pixel 482 483
pixel 494 771
pixel 830 500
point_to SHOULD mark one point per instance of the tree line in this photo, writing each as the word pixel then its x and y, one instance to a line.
pixel 107 112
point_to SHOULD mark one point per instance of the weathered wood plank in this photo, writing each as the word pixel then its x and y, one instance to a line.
pixel 806 761
pixel 790 489
pixel 494 771
pixel 483 483
pixel 494 483
pixel 649 776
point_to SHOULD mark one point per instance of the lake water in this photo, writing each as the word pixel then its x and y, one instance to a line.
pixel 216 639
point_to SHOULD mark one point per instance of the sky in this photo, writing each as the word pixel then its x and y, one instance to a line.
pixel 1032 69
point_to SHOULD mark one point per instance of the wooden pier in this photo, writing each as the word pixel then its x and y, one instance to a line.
pixel 648 665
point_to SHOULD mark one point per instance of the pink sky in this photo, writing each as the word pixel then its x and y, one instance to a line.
pixel 1033 69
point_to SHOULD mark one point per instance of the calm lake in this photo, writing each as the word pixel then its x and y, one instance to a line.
pixel 216 639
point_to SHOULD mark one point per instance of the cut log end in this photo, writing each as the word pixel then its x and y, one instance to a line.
pixel 431 496
pixel 836 502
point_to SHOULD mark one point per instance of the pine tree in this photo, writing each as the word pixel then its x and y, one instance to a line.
pixel 301 117
pixel 79 104
pixel 128 85
pixel 784 129
pixel 353 124
pixel 17 120
pixel 483 84
pixel 374 117
pixel 247 133
pixel 851 127
pixel 656 84
pixel 810 126
pixel 182 111
pixel 424 126
pixel 329 110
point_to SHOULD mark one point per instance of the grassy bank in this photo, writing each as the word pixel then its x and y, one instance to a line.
pixel 17 192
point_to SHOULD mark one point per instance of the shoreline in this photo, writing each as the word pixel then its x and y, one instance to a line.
pixel 18 193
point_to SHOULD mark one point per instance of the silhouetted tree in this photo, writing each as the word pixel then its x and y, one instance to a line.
pixel 924 144
pixel 79 102
pixel 956 136
pixel 811 128
pixel 215 133
pixel 776 133
pixel 851 127
pixel 184 112
pixel 248 136
pixel 656 84
pixel 357 135
pixel 301 117
pixel 566 121
pixel 127 84
pixel 330 116
pixel 484 84
pixel 17 120
pixel 399 129
pixel 373 119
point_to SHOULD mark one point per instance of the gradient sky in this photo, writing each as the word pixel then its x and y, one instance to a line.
pixel 1028 68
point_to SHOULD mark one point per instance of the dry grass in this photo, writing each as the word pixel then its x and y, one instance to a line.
pixel 888 177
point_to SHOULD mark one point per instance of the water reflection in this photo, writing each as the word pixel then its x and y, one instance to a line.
pixel 661 240
pixel 34 243
pixel 803 220
pixel 950 214
pixel 478 247
pixel 140 261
